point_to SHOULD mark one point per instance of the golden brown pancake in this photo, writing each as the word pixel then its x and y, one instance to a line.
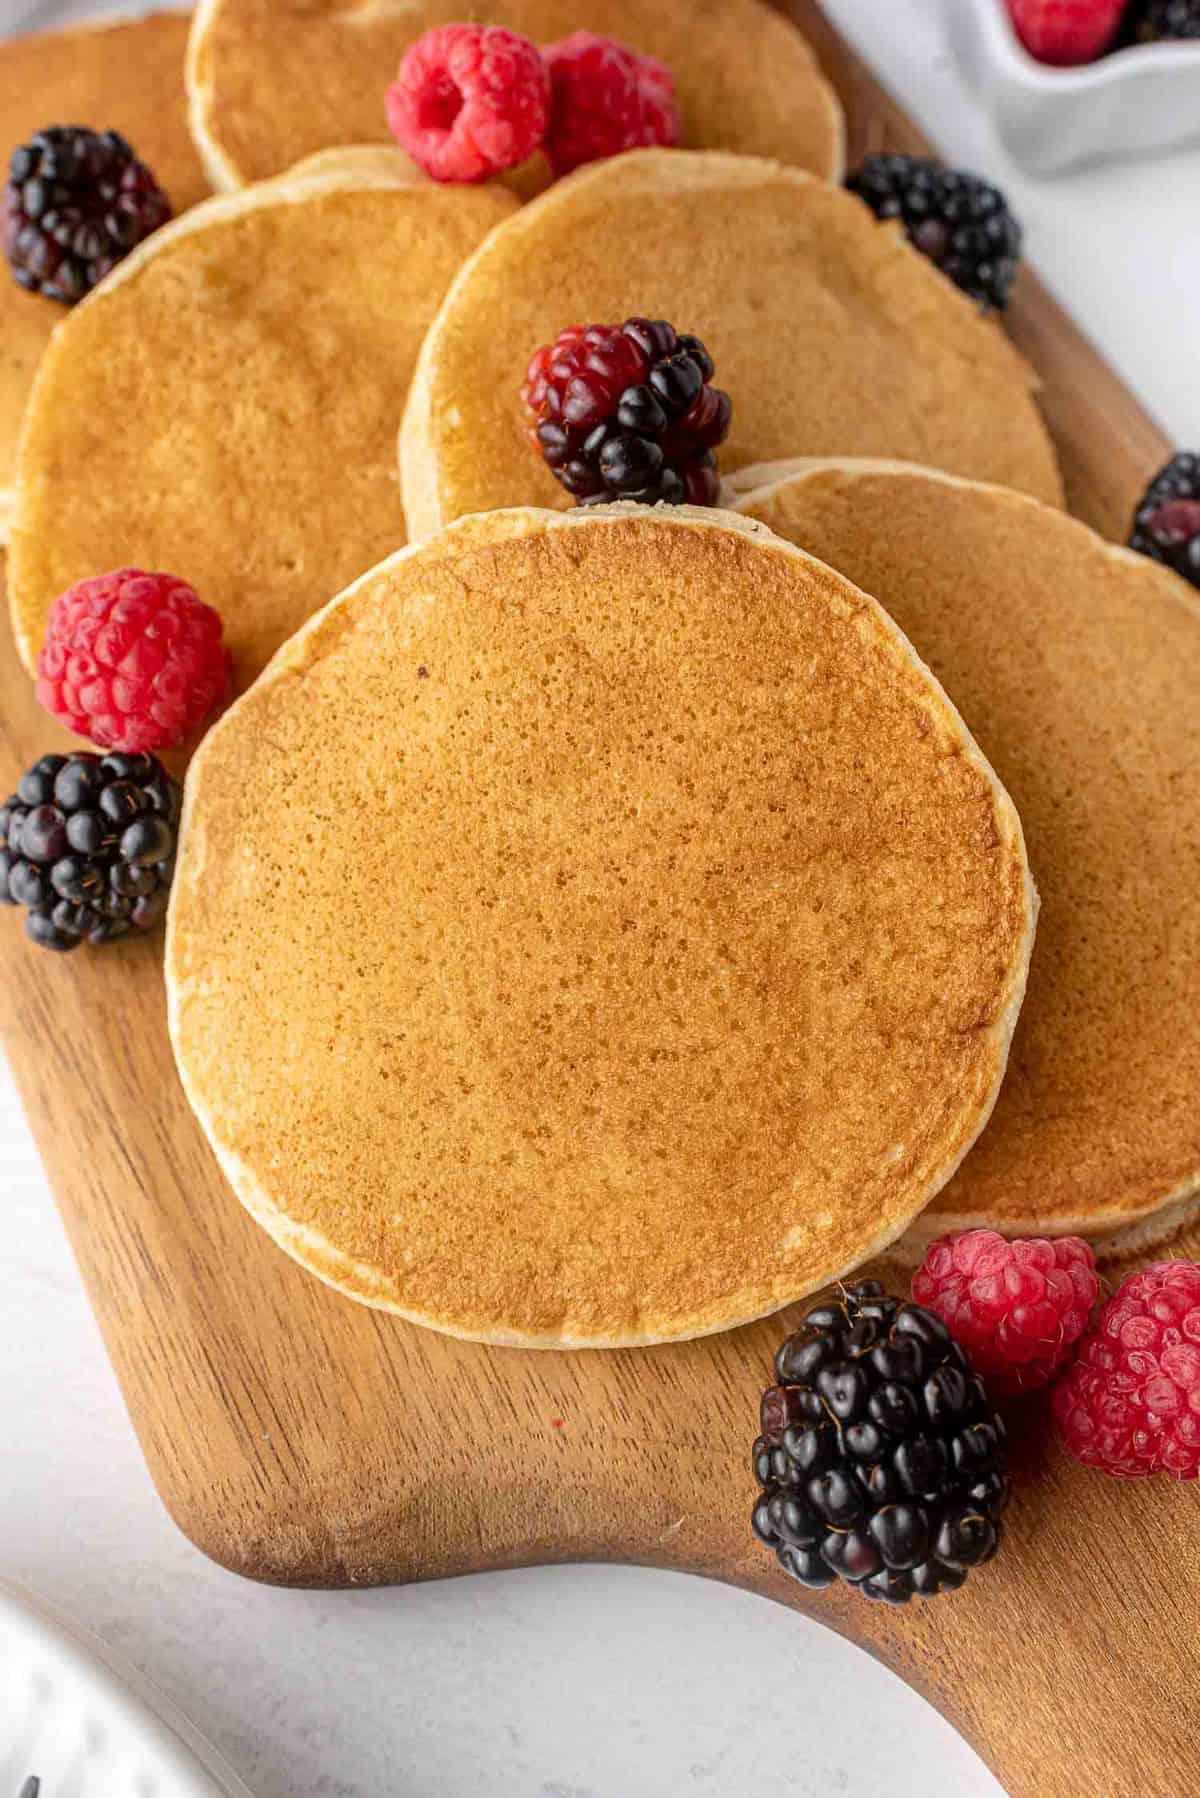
pixel 271 80
pixel 594 928
pixel 1077 665
pixel 224 406
pixel 830 332
pixel 126 78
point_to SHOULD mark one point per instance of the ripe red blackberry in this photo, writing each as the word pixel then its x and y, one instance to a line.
pixel 87 845
pixel 628 412
pixel 1166 525
pixel 881 1460
pixel 1156 21
pixel 1130 1401
pixel 959 221
pixel 76 202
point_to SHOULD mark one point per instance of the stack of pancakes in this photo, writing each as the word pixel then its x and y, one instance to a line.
pixel 603 927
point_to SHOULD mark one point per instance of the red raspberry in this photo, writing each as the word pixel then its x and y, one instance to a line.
pixel 1018 1308
pixel 1130 1402
pixel 605 98
pixel 134 661
pixel 470 101
pixel 1066 31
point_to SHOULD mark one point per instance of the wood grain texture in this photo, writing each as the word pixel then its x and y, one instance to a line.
pixel 298 1438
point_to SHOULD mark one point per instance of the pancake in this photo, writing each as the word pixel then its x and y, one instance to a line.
pixel 126 78
pixel 745 78
pixel 224 406
pixel 830 332
pixel 593 929
pixel 1077 665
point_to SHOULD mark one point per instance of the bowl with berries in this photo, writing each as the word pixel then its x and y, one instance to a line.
pixel 1069 82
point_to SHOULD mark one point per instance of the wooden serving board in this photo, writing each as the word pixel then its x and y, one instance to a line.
pixel 299 1438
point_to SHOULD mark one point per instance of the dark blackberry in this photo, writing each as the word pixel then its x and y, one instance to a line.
pixel 881 1461
pixel 627 412
pixel 959 221
pixel 1156 21
pixel 87 845
pixel 76 202
pixel 1166 525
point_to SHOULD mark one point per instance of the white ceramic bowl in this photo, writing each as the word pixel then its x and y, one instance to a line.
pixel 1134 102
pixel 77 1720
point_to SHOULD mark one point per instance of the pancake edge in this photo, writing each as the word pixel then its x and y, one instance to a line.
pixel 342 1272
pixel 225 175
pixel 218 165
pixel 419 479
pixel 352 169
pixel 1113 1233
pixel 1115 1243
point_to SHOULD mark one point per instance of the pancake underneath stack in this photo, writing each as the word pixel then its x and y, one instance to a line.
pixel 126 78
pixel 829 331
pixel 224 405
pixel 745 78
pixel 1078 666
pixel 594 928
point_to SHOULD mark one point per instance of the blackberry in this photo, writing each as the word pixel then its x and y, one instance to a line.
pixel 881 1461
pixel 1166 525
pixel 1154 21
pixel 87 845
pixel 960 222
pixel 76 202
pixel 628 412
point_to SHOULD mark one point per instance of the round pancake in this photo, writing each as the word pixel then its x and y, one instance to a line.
pixel 225 404
pixel 126 78
pixel 594 928
pixel 1077 665
pixel 829 331
pixel 745 78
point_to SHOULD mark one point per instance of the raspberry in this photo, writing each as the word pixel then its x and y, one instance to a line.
pixel 76 202
pixel 605 98
pixel 627 412
pixel 1018 1308
pixel 134 661
pixel 1166 525
pixel 1130 1402
pixel 1066 31
pixel 469 101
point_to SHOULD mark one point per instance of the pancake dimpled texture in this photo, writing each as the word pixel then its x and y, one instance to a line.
pixel 225 405
pixel 745 77
pixel 126 78
pixel 594 928
pixel 836 337
pixel 1076 664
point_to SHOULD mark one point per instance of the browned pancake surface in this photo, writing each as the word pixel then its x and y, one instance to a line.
pixel 745 77
pixel 592 930
pixel 831 334
pixel 225 405
pixel 1077 667
pixel 126 78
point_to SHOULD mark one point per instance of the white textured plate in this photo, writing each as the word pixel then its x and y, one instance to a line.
pixel 1132 103
pixel 85 1726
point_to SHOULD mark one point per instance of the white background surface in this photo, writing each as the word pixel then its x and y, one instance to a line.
pixel 564 1683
